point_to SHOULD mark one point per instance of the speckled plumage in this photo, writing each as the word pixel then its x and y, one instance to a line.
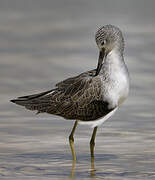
pixel 74 98
pixel 88 96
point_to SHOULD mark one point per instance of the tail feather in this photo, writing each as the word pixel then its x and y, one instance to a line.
pixel 35 101
pixel 35 95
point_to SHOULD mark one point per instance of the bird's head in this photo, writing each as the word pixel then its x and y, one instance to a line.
pixel 108 38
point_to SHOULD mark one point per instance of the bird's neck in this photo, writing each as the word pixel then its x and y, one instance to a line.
pixel 114 62
pixel 114 58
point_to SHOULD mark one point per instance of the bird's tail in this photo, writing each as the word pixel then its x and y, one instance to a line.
pixel 39 102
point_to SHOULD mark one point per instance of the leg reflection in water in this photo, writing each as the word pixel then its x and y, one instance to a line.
pixel 92 171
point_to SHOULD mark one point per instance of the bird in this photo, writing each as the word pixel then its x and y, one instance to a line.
pixel 93 96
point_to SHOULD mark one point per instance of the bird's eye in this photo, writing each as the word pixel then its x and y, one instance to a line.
pixel 102 43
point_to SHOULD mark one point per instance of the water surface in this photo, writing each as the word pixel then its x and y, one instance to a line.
pixel 43 42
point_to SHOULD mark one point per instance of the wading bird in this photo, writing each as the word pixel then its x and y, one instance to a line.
pixel 93 96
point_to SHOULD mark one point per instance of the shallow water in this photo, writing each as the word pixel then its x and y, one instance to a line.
pixel 43 42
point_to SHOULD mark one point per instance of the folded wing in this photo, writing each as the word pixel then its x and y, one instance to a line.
pixel 79 98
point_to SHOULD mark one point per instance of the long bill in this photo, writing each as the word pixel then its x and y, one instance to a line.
pixel 102 56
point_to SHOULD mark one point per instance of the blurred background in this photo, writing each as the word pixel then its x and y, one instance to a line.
pixel 43 42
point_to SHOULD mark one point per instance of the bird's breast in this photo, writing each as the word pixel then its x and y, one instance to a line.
pixel 116 88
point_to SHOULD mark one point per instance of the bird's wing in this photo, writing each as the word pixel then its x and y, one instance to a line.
pixel 79 98
pixel 51 101
pixel 67 82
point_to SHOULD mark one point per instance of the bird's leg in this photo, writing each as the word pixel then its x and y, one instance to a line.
pixel 71 140
pixel 72 170
pixel 92 145
pixel 92 142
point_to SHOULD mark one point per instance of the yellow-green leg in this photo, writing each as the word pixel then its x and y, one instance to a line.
pixel 92 145
pixel 92 142
pixel 71 140
pixel 73 170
